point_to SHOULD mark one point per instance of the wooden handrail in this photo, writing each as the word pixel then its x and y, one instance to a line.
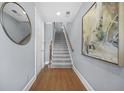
pixel 51 46
pixel 68 40
pixel 50 52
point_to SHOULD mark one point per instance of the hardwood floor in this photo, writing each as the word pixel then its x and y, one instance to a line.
pixel 54 79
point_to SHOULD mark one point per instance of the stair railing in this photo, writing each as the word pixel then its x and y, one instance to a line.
pixel 68 43
pixel 51 45
pixel 68 40
pixel 50 52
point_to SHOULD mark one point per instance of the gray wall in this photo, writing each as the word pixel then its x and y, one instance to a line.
pixel 17 62
pixel 48 36
pixel 100 75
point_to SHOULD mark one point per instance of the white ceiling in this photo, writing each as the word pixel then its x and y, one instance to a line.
pixel 49 9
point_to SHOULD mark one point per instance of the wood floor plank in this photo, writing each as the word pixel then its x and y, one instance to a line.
pixel 57 79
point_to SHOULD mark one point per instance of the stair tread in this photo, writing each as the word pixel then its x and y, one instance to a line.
pixel 55 63
pixel 60 47
pixel 61 53
pixel 61 59
pixel 61 65
pixel 61 56
pixel 60 50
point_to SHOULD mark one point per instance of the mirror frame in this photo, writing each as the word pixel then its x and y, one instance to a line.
pixel 2 8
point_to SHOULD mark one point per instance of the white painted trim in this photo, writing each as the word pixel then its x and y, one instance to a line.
pixel 30 83
pixel 83 80
pixel 39 70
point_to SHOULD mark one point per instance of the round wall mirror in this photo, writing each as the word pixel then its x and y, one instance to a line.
pixel 16 23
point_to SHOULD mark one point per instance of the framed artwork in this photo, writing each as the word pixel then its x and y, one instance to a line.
pixel 101 31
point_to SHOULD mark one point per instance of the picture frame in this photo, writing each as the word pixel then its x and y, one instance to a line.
pixel 92 46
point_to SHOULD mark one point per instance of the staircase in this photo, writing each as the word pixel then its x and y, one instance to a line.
pixel 60 55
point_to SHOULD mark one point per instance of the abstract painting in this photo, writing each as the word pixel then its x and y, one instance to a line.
pixel 101 31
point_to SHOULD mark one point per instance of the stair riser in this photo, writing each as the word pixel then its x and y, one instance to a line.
pixel 61 57
pixel 61 66
pixel 57 58
pixel 61 52
pixel 59 44
pixel 60 47
pixel 58 61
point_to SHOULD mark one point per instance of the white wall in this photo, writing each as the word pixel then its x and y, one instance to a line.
pixel 17 62
pixel 48 36
pixel 100 75
pixel 39 29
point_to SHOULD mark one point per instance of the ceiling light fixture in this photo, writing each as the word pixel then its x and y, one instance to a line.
pixel 58 13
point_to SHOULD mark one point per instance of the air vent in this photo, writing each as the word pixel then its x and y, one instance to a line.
pixel 68 13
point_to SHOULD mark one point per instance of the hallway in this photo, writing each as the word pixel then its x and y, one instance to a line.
pixel 57 79
pixel 62 46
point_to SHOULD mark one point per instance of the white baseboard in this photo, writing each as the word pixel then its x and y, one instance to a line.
pixel 83 80
pixel 30 83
